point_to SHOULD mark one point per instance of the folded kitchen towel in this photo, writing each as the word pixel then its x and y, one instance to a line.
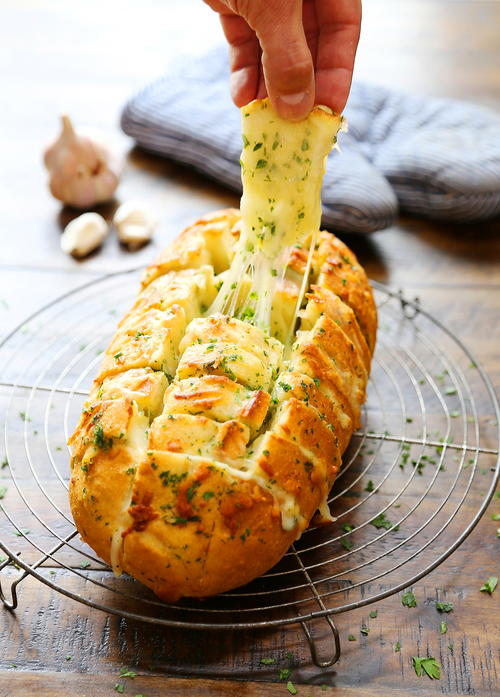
pixel 438 158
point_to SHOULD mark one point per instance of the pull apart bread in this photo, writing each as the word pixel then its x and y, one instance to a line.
pixel 214 431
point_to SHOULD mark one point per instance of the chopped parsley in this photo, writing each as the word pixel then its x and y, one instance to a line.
pixel 408 599
pixel 444 606
pixel 283 674
pixel 489 585
pixel 382 522
pixel 191 491
pixel 260 164
pixel 346 544
pixel 248 313
pixel 119 688
pixel 364 630
pixel 397 647
pixel 244 535
pixel 84 565
pixel 373 614
pixel 179 520
pixel 124 673
pixel 427 665
pixel 443 627
pixel 351 637
pixel 285 386
pixel 100 440
pixel 171 479
pixel 3 491
pixel 291 688
pixel 207 495
pixel 267 661
pixel 370 486
pixel 118 355
pixel 5 463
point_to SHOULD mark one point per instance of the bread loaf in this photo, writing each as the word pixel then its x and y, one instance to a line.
pixel 202 451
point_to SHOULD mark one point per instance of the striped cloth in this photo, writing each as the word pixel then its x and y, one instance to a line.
pixel 437 158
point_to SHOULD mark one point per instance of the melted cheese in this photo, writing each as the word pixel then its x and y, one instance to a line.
pixel 136 444
pixel 282 165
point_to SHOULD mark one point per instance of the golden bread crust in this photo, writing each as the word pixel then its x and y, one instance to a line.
pixel 201 455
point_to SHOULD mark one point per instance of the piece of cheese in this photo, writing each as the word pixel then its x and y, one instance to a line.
pixel 282 166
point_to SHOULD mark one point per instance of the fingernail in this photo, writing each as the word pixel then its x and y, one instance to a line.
pixel 293 106
pixel 293 99
pixel 238 83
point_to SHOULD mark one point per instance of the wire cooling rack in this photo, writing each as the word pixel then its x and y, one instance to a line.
pixel 415 480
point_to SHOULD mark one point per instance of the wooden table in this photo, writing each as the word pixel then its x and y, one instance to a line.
pixel 87 58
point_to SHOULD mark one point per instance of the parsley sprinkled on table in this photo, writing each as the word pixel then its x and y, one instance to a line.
pixel 489 585
pixel 283 674
pixel 427 665
pixel 408 599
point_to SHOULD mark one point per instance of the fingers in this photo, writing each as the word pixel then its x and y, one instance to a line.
pixel 286 59
pixel 339 26
pixel 245 60
pixel 300 53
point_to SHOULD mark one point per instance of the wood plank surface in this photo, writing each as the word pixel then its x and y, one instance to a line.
pixel 87 59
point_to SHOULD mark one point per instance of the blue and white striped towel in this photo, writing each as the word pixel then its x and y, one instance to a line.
pixel 437 158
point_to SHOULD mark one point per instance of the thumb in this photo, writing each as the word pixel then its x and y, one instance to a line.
pixel 286 59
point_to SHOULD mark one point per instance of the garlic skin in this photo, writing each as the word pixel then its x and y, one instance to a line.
pixel 83 171
pixel 134 224
pixel 84 234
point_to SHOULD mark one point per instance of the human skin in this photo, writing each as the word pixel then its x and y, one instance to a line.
pixel 297 52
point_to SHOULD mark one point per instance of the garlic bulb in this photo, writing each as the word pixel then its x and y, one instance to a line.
pixel 82 170
pixel 135 224
pixel 84 234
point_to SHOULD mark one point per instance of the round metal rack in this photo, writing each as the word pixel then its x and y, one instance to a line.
pixel 415 480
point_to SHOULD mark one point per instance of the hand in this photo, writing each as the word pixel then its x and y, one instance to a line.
pixel 299 52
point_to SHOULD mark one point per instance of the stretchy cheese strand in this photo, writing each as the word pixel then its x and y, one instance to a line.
pixel 282 166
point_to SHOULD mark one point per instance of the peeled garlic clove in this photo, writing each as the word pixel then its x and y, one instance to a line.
pixel 84 234
pixel 83 171
pixel 135 224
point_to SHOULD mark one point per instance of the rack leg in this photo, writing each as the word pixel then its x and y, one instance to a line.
pixel 325 663
pixel 12 603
